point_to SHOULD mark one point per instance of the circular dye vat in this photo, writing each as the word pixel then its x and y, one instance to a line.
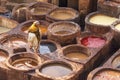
pixel 25 63
pixel 56 70
pixel 101 19
pixel 16 43
pixel 93 41
pixel 107 75
pixel 77 56
pixel 117 27
pixel 116 62
pixel 3 56
pixel 47 47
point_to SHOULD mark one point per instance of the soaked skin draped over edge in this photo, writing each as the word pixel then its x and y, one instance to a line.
pixel 93 41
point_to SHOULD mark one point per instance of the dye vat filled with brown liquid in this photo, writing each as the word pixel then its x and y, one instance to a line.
pixel 25 63
pixel 39 11
pixel 62 32
pixel 62 15
pixel 77 56
pixel 55 70
pixel 3 56
pixel 116 62
pixel 107 75
pixel 4 29
pixel 47 48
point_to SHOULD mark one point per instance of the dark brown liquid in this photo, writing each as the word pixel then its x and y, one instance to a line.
pixel 62 15
pixel 77 56
pixel 56 70
pixel 47 48
pixel 39 11
pixel 62 32
pixel 25 63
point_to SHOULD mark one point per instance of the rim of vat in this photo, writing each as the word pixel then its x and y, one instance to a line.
pixel 12 21
pixel 6 52
pixel 57 62
pixel 13 37
pixel 10 36
pixel 19 6
pixel 116 3
pixel 114 25
pixel 96 71
pixel 63 8
pixel 86 51
pixel 57 45
pixel 2 18
pixel 23 55
pixel 113 59
pixel 65 22
pixel 87 34
pixel 41 4
pixel 91 15
pixel 23 25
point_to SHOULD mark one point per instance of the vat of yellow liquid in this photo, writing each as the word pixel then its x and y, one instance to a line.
pixel 58 69
pixel 99 23
pixel 39 10
pixel 63 14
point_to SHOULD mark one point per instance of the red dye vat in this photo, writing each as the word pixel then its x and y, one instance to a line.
pixel 92 41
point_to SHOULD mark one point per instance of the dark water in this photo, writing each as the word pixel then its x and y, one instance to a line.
pixel 7 14
pixel 56 70
pixel 47 48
